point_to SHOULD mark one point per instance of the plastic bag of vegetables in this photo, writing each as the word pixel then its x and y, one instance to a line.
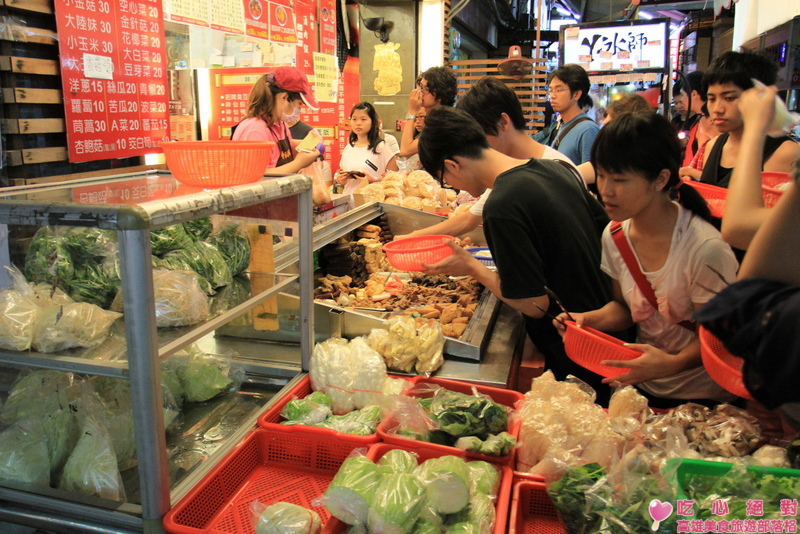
pixel 169 238
pixel 284 518
pixel 90 284
pixel 397 503
pixel 179 301
pixel 232 242
pixel 203 258
pixel 311 409
pixel 23 454
pixel 331 372
pixel 203 375
pixel 48 260
pixel 38 392
pixel 350 493
pixel 447 482
pixel 19 315
pixel 92 467
pixel 198 229
pixel 230 296
pixel 73 325
pixel 460 414
pixel 86 244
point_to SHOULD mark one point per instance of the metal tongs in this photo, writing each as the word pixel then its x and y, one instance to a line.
pixel 555 298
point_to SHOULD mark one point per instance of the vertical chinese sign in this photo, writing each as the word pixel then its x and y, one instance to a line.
pixel 113 72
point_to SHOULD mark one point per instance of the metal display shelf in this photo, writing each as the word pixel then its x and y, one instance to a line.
pixel 133 204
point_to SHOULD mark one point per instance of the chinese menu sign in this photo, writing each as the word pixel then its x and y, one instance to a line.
pixel 227 16
pixel 256 18
pixel 230 89
pixel 281 23
pixel 327 26
pixel 188 11
pixel 624 47
pixel 306 34
pixel 113 71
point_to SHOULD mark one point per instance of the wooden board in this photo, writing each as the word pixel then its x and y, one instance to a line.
pixel 29 95
pixel 29 65
pixel 39 6
pixel 29 34
pixel 32 126
pixel 36 155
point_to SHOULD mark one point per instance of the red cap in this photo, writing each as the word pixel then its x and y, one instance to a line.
pixel 291 79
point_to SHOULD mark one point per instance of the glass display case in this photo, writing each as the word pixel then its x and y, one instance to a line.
pixel 168 465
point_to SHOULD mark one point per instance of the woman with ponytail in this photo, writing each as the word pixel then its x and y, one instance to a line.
pixel 268 107
pixel 663 255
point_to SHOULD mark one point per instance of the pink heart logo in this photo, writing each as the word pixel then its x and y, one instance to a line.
pixel 659 511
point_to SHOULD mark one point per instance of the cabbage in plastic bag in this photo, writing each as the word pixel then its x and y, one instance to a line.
pixel 204 376
pixel 19 315
pixel 232 242
pixel 352 490
pixel 36 393
pixel 74 325
pixel 313 408
pixel 23 455
pixel 397 503
pixel 169 238
pixel 92 467
pixel 48 259
pixel 284 518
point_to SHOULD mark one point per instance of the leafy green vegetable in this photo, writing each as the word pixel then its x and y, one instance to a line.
pixel 361 422
pixel 204 377
pixel 90 284
pixel 308 410
pixel 484 478
pixel 234 245
pixel 36 393
pixel 198 229
pixel 447 482
pixel 48 259
pixel 203 258
pixel 351 491
pixel 460 415
pixel 92 467
pixel 463 528
pixel 90 244
pixel 569 496
pixel 23 455
pixel 423 526
pixel 19 314
pixel 230 296
pixel 169 238
pixel 397 461
pixel 61 431
pixel 398 500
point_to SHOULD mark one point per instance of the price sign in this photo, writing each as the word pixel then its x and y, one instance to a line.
pixel 113 72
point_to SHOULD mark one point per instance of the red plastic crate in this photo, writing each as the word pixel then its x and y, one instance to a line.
pixel 377 451
pixel 532 511
pixel 505 397
pixel 271 419
pixel 265 466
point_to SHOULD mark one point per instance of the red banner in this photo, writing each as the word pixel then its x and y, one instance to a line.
pixel 307 34
pixel 256 18
pixel 113 72
pixel 327 27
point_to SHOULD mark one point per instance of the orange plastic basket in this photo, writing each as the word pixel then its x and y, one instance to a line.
pixel 410 253
pixel 532 511
pixel 217 163
pixel 266 467
pixel 714 195
pixel 722 366
pixel 773 184
pixel 505 397
pixel 588 347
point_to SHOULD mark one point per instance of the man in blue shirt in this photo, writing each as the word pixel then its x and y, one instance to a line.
pixel 574 132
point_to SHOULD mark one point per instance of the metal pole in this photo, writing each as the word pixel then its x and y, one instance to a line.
pixel 305 248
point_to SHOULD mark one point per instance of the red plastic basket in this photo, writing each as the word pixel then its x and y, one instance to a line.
pixel 271 419
pixel 714 195
pixel 773 185
pixel 501 396
pixel 377 451
pixel 408 254
pixel 721 365
pixel 588 347
pixel 532 511
pixel 217 163
pixel 264 466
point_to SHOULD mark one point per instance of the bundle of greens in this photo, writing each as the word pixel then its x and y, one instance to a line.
pixel 230 296
pixel 203 258
pixel 169 238
pixel 91 284
pixel 232 242
pixel 48 260
pixel 89 244
pixel 198 229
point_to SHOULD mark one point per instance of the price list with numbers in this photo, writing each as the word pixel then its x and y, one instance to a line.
pixel 113 72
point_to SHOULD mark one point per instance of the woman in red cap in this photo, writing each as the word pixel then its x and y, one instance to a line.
pixel 269 104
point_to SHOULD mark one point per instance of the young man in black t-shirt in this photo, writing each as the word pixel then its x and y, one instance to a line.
pixel 540 224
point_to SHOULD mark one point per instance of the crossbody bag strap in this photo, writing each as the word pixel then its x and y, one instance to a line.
pixel 564 131
pixel 641 280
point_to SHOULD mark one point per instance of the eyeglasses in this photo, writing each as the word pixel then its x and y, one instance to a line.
pixel 557 90
pixel 442 181
pixel 424 88
pixel 419 117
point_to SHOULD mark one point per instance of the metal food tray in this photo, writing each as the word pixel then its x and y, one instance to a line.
pixel 335 321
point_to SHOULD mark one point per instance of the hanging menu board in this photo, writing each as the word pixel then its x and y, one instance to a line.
pixel 188 12
pixel 281 23
pixel 616 46
pixel 113 72
pixel 227 16
pixel 256 18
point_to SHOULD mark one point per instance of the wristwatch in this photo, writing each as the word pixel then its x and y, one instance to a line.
pixel 409 116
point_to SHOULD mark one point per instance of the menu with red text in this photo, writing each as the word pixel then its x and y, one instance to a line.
pixel 113 72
